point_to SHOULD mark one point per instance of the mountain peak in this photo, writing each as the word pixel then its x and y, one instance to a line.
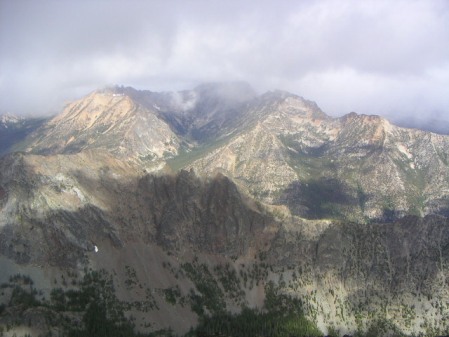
pixel 118 90
pixel 111 120
pixel 105 104
pixel 294 105
pixel 374 120
pixel 354 115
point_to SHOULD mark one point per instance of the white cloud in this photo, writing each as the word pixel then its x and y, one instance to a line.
pixel 385 57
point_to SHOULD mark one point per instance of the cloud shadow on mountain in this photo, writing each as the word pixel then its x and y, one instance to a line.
pixel 320 198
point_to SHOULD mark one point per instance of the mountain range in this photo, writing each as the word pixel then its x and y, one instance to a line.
pixel 206 204
pixel 278 147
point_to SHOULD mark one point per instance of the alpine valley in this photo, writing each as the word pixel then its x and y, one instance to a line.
pixel 220 212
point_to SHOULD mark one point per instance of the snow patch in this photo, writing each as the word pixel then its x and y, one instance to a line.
pixel 8 118
pixel 96 249
pixel 292 149
pixel 79 194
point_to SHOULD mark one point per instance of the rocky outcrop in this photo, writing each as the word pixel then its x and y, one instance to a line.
pixel 212 216
pixel 55 212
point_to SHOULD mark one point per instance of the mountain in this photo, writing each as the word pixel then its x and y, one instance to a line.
pixel 175 244
pixel 90 197
pixel 111 121
pixel 68 213
pixel 279 148
pixel 203 114
pixel 222 212
pixel 355 167
pixel 15 129
pixel 141 126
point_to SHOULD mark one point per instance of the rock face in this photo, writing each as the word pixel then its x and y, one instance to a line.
pixel 110 121
pixel 76 200
pixel 247 195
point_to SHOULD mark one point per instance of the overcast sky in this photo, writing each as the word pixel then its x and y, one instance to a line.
pixel 374 57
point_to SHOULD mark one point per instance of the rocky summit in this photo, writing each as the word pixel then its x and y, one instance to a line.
pixel 220 212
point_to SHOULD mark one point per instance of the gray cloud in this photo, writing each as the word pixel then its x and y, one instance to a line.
pixel 382 57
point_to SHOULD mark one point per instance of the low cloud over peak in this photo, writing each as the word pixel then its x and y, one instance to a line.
pixel 382 57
